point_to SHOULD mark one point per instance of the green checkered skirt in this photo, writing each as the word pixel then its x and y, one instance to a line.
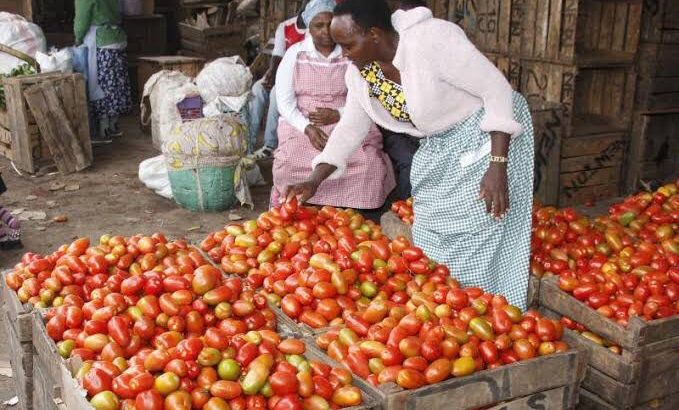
pixel 451 223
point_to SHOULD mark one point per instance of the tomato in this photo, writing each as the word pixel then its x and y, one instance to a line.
pixel 438 371
pixel 105 400
pixel 96 381
pixel 166 383
pixel 149 400
pixel 178 400
pixel 283 383
pixel 523 349
pixel 488 351
pixel 463 366
pixel 225 389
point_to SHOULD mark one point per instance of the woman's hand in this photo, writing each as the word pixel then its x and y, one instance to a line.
pixel 494 190
pixel 324 116
pixel 307 189
pixel 317 137
pixel 302 191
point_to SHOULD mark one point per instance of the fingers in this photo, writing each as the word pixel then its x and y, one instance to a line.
pixel 290 192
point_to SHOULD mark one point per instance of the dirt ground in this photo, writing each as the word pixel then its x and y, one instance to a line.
pixel 110 199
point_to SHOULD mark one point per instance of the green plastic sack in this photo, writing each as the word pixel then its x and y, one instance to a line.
pixel 209 189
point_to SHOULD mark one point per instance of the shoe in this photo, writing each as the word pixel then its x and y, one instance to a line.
pixel 9 245
pixel 264 153
pixel 99 140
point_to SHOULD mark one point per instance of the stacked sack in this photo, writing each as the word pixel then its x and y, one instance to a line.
pixel 204 157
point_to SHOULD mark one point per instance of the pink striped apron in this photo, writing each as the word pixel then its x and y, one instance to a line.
pixel 369 177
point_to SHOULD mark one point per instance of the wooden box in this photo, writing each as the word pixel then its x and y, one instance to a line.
pixel 272 13
pixel 550 382
pixel 658 83
pixel 648 369
pixel 20 136
pixel 654 148
pixel 147 66
pixel 509 66
pixel 548 131
pixel 492 25
pixel 213 42
pixel 660 22
pixel 19 335
pixel 146 35
pixel 583 32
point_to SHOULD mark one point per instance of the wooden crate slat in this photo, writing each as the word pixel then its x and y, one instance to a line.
pixel 21 362
pixel 589 177
pixel 18 314
pixel 549 399
pixel 508 382
pixel 548 127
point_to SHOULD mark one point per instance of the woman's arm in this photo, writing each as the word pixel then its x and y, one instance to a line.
pixel 459 63
pixel 82 20
pixel 285 91
pixel 347 136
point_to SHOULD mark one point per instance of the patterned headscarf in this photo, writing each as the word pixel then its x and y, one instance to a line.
pixel 316 7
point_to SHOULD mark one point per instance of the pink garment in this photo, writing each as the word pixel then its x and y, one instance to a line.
pixel 369 175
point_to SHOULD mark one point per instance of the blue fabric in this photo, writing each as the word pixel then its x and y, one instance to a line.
pixel 114 81
pixel 316 7
pixel 261 97
pixel 451 223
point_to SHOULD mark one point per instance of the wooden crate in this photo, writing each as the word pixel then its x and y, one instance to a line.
pixel 551 381
pixel 273 12
pixel 595 99
pixel 21 362
pixel 548 125
pixel 146 35
pixel 509 66
pixel 654 148
pixel 147 66
pixel 594 33
pixel 492 25
pixel 658 82
pixel 638 335
pixel 660 22
pixel 46 392
pixel 591 167
pixel 18 315
pixel 213 42
pixel 20 139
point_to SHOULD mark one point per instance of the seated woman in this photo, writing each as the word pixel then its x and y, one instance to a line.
pixel 311 92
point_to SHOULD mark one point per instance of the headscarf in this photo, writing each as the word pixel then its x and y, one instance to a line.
pixel 316 7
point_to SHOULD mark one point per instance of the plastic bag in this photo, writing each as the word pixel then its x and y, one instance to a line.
pixel 55 61
pixel 224 77
pixel 20 35
pixel 162 92
pixel 80 59
pixel 153 174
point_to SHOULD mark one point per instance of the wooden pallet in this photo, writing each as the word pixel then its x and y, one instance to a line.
pixel 551 381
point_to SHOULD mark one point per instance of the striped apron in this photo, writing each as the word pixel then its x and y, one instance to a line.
pixel 451 223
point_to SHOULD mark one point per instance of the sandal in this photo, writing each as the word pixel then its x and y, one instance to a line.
pixel 10 240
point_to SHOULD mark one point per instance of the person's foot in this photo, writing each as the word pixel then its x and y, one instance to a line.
pixel 264 153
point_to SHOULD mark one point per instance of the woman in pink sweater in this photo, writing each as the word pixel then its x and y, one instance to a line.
pixel 472 176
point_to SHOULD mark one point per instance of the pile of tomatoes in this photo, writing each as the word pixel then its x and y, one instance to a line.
pixel 404 210
pixel 166 330
pixel 623 264
pixel 394 315
pixel 442 331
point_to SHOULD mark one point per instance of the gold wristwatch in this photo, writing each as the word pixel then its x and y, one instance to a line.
pixel 502 160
